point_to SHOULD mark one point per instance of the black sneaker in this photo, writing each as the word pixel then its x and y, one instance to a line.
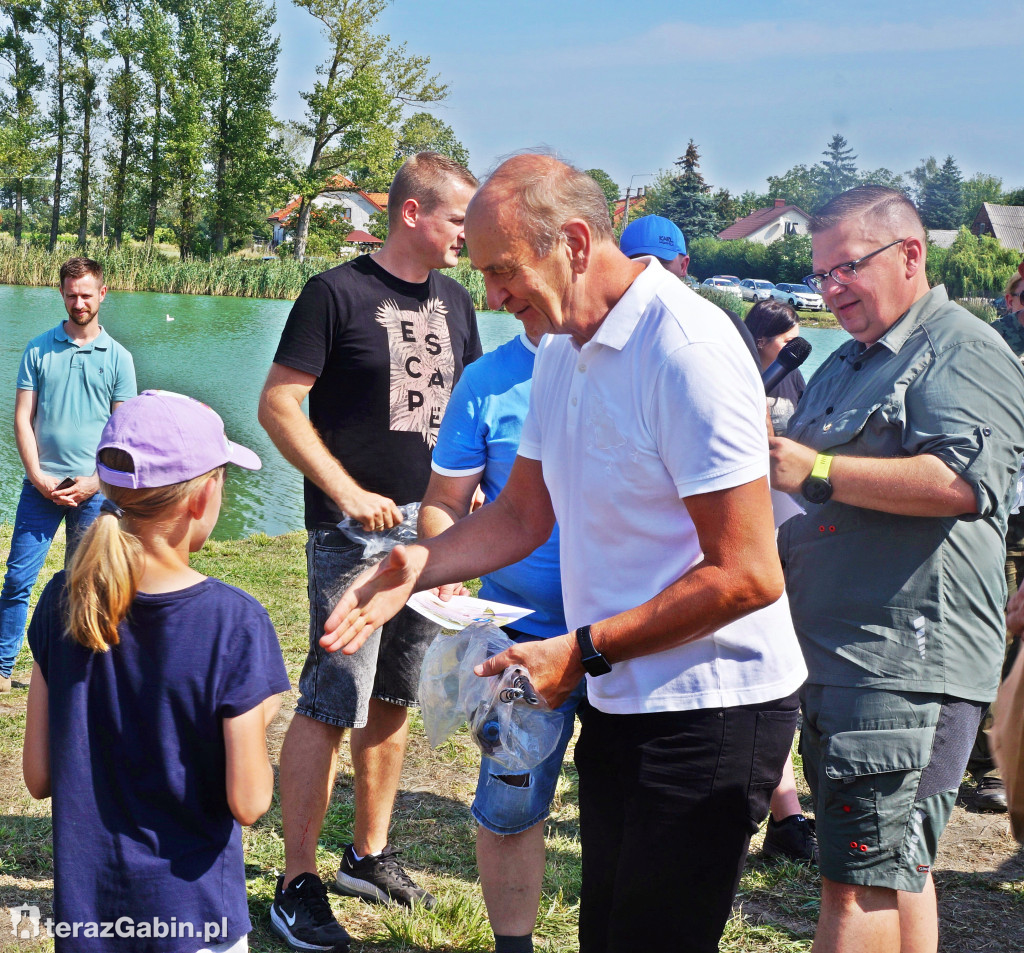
pixel 379 878
pixel 302 916
pixel 792 838
pixel 989 797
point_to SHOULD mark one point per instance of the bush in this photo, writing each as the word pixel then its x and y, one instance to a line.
pixel 977 266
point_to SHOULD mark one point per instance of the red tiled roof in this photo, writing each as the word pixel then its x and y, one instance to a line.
pixel 636 204
pixel 380 199
pixel 757 220
pixel 362 238
pixel 337 183
pixel 281 214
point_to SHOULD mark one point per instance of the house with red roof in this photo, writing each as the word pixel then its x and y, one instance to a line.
pixel 766 225
pixel 356 206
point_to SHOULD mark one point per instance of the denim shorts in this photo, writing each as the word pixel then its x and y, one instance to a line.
pixel 336 688
pixel 510 808
pixel 884 769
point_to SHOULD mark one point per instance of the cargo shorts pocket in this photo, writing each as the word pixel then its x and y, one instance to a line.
pixel 872 779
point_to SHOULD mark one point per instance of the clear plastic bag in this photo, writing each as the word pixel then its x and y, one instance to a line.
pixel 375 542
pixel 508 720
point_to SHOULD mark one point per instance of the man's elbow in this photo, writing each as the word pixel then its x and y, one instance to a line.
pixel 38 784
pixel 247 809
pixel 762 587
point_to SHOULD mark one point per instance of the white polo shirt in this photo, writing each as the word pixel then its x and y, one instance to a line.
pixel 662 403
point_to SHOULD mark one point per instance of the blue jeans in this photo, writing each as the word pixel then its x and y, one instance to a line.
pixel 35 525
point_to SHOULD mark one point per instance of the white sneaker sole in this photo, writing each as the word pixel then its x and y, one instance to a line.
pixel 354 887
pixel 280 927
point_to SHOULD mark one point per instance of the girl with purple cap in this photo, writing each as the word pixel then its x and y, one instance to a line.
pixel 151 692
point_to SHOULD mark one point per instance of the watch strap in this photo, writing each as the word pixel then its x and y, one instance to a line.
pixel 594 663
pixel 822 466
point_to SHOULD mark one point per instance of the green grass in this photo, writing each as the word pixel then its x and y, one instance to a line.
pixel 137 267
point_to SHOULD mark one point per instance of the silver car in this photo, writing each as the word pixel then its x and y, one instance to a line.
pixel 799 296
pixel 756 289
pixel 721 284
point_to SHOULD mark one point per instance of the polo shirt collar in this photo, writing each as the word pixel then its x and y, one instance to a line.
pixel 101 342
pixel 919 312
pixel 619 323
pixel 527 343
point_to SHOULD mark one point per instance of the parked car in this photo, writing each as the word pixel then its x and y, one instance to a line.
pixel 721 284
pixel 727 278
pixel 756 289
pixel 799 296
pixel 691 282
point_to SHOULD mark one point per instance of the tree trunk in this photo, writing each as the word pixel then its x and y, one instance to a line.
pixel 83 194
pixel 154 176
pixel 302 229
pixel 120 180
pixel 187 219
pixel 18 193
pixel 219 198
pixel 62 117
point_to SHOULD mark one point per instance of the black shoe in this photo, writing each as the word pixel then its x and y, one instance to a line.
pixel 379 878
pixel 302 916
pixel 989 797
pixel 792 838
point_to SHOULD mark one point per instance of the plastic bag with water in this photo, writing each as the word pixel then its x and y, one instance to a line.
pixel 375 542
pixel 508 720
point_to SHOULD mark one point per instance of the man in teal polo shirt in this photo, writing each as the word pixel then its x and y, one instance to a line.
pixel 70 380
pixel 905 446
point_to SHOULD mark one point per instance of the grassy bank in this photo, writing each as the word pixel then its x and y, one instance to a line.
pixel 134 267
pixel 979 873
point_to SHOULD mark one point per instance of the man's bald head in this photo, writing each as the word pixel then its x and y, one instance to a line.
pixel 889 212
pixel 539 194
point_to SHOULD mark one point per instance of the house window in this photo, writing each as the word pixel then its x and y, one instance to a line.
pixel 346 213
pixel 791 228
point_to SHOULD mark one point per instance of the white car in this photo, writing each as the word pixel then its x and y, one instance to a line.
pixel 756 289
pixel 721 284
pixel 799 296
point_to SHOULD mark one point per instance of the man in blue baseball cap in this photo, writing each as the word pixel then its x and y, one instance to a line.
pixel 657 236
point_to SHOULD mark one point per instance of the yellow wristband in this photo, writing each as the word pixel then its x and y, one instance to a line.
pixel 822 465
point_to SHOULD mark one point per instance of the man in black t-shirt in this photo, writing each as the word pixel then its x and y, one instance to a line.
pixel 377 345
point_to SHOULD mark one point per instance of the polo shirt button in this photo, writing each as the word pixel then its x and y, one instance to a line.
pixel 583 367
pixel 574 402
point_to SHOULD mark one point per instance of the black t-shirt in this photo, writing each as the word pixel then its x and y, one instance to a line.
pixel 386 354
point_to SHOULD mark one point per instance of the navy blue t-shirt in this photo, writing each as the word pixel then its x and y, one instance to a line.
pixel 141 823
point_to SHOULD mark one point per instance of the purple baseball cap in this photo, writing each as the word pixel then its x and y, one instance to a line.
pixel 171 438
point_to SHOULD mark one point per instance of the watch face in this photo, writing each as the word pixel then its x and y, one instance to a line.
pixel 816 490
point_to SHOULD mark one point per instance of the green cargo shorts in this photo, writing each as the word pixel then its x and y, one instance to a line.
pixel 884 769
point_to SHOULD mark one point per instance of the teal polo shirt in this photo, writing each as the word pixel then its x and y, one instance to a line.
pixel 75 386
pixel 909 603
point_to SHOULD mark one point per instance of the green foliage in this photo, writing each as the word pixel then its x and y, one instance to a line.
pixel 328 229
pixel 941 197
pixel 608 186
pixel 422 132
pixel 979 188
pixel 686 199
pixel 788 259
pixel 977 266
pixel 709 256
pixel 839 170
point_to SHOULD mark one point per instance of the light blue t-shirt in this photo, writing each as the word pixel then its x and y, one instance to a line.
pixel 480 434
pixel 75 386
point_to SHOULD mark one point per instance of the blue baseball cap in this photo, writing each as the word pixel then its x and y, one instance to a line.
pixel 653 235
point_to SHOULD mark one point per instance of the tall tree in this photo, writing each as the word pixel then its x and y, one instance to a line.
pixel 422 132
pixel 20 125
pixel 839 170
pixel 123 30
pixel 686 198
pixel 189 130
pixel 802 186
pixel 979 188
pixel 355 104
pixel 88 55
pixel 942 197
pixel 159 54
pixel 56 23
pixel 919 177
pixel 886 177
pixel 244 65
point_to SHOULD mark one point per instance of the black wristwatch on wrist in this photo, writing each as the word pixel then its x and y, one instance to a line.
pixel 817 487
pixel 594 663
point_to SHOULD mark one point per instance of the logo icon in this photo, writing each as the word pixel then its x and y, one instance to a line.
pixel 19 915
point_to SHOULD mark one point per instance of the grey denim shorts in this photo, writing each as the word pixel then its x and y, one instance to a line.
pixel 336 688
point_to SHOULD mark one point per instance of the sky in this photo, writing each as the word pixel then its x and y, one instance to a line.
pixel 759 86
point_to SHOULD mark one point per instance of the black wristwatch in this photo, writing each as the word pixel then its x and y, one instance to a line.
pixel 817 488
pixel 594 663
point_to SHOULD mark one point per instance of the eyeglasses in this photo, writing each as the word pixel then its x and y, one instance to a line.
pixel 845 273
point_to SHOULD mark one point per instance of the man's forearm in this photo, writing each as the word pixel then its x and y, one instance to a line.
pixel 25 439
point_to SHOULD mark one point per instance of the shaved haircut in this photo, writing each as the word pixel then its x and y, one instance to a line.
pixel 890 210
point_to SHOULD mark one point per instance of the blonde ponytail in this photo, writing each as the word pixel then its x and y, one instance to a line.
pixel 104 576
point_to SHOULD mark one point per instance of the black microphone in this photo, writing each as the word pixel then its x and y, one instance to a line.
pixel 792 355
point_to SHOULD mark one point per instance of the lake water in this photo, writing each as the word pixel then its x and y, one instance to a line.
pixel 217 349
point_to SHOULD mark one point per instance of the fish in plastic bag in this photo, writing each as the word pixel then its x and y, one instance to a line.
pixel 509 722
pixel 375 542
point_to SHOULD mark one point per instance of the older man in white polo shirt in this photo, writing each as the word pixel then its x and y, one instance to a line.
pixel 646 437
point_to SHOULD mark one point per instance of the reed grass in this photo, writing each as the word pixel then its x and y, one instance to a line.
pixel 135 267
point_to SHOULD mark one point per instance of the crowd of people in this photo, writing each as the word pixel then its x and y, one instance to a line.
pixel 617 469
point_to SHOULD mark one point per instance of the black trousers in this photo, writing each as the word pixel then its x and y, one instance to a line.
pixel 668 802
